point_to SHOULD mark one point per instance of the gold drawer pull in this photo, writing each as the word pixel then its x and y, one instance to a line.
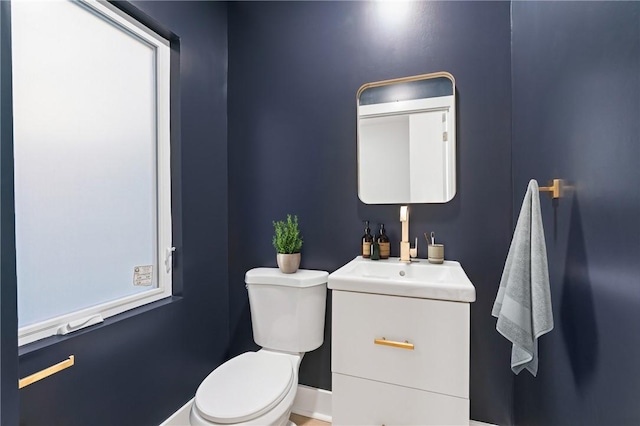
pixel 46 372
pixel 401 345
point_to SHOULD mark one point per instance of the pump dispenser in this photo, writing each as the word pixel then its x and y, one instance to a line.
pixel 385 244
pixel 367 239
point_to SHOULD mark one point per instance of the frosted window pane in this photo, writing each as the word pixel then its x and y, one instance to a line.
pixel 85 155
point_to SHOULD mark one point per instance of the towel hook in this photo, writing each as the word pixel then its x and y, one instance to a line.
pixel 555 190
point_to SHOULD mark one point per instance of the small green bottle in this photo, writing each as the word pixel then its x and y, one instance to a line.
pixel 375 250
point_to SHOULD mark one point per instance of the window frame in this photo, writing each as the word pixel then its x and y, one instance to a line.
pixel 164 247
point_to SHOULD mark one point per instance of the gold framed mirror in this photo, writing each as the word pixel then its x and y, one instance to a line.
pixel 407 140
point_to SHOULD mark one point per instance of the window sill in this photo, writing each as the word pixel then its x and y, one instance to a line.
pixel 53 340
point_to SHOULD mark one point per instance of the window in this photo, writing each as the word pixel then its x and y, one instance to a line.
pixel 92 167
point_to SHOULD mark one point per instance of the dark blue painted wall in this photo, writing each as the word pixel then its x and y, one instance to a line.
pixel 138 369
pixel 8 303
pixel 572 76
pixel 294 69
pixel 576 115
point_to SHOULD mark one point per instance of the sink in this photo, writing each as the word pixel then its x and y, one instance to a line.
pixel 421 279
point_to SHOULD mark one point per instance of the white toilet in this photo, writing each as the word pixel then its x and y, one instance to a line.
pixel 258 388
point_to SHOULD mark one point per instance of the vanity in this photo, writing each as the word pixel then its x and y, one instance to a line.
pixel 400 329
pixel 400 343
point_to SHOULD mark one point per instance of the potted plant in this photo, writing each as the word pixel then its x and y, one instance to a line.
pixel 287 242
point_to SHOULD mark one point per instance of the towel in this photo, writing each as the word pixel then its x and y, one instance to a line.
pixel 523 303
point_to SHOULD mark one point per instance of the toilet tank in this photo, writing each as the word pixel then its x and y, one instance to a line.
pixel 287 310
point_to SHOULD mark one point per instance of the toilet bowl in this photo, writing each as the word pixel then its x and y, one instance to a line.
pixel 252 389
pixel 258 388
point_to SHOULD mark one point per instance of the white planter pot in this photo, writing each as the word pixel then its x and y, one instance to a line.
pixel 288 263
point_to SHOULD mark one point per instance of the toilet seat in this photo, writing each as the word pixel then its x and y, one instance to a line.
pixel 244 387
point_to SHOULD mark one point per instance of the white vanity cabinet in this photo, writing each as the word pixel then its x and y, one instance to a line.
pixel 398 360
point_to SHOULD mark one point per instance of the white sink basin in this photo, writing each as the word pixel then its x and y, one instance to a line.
pixel 420 279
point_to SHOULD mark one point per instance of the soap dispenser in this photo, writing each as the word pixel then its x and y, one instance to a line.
pixel 367 239
pixel 384 242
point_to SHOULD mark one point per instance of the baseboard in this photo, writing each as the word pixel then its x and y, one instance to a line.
pixel 310 402
pixel 313 402
pixel 180 417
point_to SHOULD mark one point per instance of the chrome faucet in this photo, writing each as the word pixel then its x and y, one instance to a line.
pixel 406 252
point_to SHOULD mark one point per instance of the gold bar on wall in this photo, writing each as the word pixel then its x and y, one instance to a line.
pixel 554 190
pixel 46 372
pixel 401 345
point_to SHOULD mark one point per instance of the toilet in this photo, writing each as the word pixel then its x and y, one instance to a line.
pixel 258 388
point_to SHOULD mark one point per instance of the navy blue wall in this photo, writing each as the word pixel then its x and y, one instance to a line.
pixel 138 369
pixel 576 115
pixel 294 69
pixel 8 304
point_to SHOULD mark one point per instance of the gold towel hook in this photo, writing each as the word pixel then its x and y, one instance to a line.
pixel 555 190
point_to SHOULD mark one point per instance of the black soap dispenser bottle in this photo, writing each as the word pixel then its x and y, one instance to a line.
pixel 367 239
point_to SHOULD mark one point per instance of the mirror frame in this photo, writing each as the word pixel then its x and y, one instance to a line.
pixel 439 74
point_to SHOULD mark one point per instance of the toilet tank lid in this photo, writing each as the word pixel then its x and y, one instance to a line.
pixel 273 276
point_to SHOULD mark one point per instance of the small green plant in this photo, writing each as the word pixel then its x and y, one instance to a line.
pixel 287 238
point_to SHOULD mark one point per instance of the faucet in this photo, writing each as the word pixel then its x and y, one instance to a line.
pixel 406 252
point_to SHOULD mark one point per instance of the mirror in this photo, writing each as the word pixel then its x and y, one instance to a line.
pixel 407 140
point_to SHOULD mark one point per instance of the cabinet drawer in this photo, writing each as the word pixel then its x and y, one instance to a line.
pixel 438 331
pixel 366 402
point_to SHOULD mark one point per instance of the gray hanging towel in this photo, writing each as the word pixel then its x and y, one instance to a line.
pixel 523 303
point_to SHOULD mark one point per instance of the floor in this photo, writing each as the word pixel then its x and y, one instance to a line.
pixel 306 421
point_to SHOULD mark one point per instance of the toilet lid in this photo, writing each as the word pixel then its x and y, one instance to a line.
pixel 244 387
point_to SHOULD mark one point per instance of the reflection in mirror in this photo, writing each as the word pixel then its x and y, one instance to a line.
pixel 407 140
